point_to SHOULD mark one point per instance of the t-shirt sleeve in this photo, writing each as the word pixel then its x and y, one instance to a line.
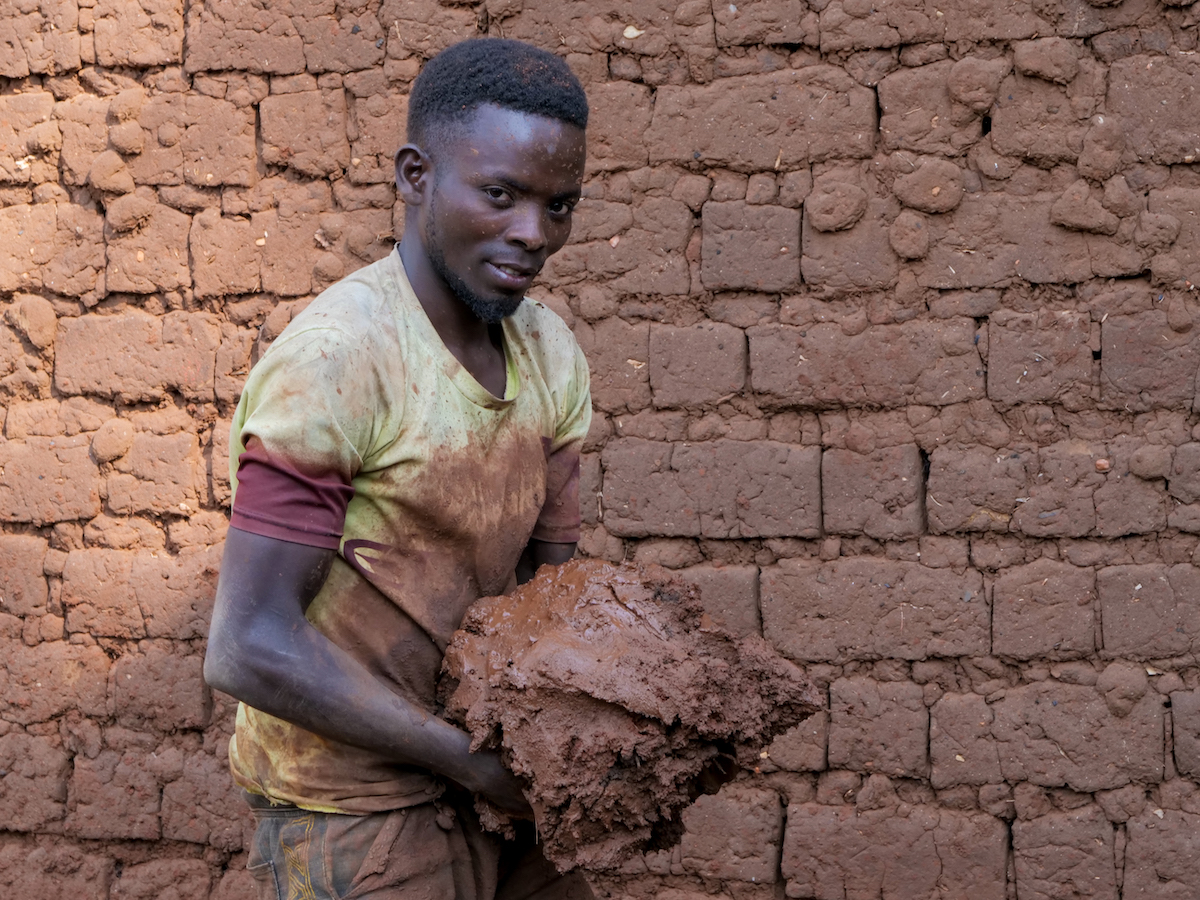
pixel 304 425
pixel 559 520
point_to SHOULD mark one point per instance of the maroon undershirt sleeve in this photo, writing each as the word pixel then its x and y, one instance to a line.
pixel 276 500
pixel 559 520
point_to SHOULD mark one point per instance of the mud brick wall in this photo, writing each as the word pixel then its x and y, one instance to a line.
pixel 890 313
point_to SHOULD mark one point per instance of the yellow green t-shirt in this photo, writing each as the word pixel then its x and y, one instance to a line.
pixel 358 406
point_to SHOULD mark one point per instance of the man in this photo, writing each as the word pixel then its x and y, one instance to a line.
pixel 408 443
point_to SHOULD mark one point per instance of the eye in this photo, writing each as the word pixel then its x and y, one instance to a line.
pixel 562 207
pixel 497 194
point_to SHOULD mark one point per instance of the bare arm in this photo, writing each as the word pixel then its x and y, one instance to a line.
pixel 541 553
pixel 263 651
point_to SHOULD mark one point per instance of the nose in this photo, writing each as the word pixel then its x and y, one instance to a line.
pixel 528 227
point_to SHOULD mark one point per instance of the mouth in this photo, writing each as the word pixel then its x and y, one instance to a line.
pixel 512 277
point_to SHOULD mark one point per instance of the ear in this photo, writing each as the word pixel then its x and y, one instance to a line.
pixel 414 174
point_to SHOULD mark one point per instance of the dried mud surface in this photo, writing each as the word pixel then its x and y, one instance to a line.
pixel 612 692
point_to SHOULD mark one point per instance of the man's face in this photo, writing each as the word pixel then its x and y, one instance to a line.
pixel 505 186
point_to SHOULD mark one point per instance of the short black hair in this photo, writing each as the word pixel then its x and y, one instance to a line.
pixel 506 73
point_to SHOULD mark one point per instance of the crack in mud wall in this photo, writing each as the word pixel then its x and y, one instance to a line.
pixel 891 320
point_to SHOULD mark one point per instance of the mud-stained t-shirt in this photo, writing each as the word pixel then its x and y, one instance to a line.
pixel 359 430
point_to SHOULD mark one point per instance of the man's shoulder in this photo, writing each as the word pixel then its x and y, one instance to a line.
pixel 359 305
pixel 544 332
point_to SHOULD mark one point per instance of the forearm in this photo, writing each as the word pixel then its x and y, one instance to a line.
pixel 265 653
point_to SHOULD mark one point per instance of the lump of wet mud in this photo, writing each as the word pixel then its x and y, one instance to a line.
pixel 613 694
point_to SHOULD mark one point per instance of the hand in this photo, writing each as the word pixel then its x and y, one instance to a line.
pixel 499 785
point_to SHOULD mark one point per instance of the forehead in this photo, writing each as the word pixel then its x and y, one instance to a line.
pixel 495 140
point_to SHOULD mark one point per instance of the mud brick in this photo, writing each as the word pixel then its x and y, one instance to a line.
pixel 1044 610
pixel 22 584
pixel 878 727
pixel 961 748
pixel 879 494
pixel 674 40
pixel 1039 356
pixel 225 259
pixel 1184 477
pixel 650 256
pixel 290 252
pixel 1162 856
pixel 39 38
pixel 218 465
pixel 715 489
pixel 707 123
pixel 35 868
pixel 1155 98
pixel 163 119
pixel 233 361
pixel 136 356
pixel 617 353
pixel 26 130
pixel 1185 720
pixel 729 595
pixel 888 24
pixel 1061 492
pixel 33 790
pixel 203 806
pixel 185 879
pixel 160 474
pixel 82 121
pixel 306 131
pixel 1145 364
pixel 218 144
pixel 138 34
pixel 764 22
pixel 619 114
pixel 869 608
pixel 1078 18
pixel 973 489
pixel 1181 203
pixel 1126 504
pixel 424 28
pixel 734 834
pixel 341 43
pixel 1036 120
pixel 934 363
pixel 79 253
pixel 30 245
pixel 910 851
pixel 991 238
pixel 47 680
pixel 114 795
pixel 1149 611
pixel 237 884
pixel 21 373
pixel 98 594
pixel 159 685
pixel 1055 734
pixel 981 20
pixel 152 257
pixel 376 128
pixel 1065 853
pixel 176 594
pixel 803 748
pixel 695 365
pixel 45 480
pixel 228 34
pixel 917 112
pixel 858 258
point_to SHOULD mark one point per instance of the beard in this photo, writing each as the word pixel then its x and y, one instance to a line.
pixel 490 311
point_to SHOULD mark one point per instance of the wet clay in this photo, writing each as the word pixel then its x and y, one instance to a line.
pixel 610 691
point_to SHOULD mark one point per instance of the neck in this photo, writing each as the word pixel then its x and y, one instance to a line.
pixel 455 324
